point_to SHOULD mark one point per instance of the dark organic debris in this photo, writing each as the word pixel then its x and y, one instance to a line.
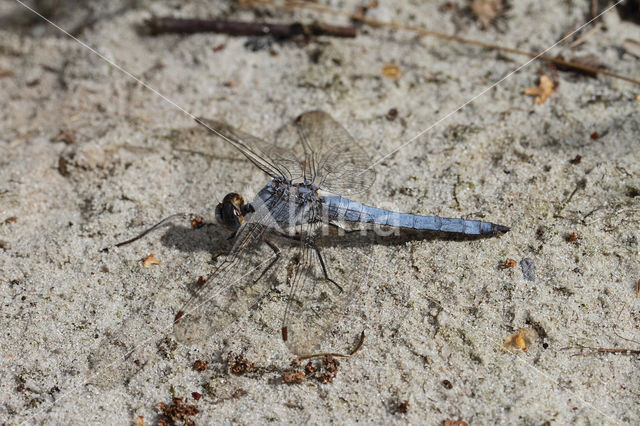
pixel 62 167
pixel 323 371
pixel 168 25
pixel 392 114
pixel 401 407
pixel 65 135
pixel 238 364
pixel 178 411
pixel 199 365
pixel 629 11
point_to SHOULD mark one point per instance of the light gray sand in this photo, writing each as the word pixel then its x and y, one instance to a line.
pixel 435 310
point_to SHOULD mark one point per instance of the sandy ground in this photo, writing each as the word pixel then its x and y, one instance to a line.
pixel 91 157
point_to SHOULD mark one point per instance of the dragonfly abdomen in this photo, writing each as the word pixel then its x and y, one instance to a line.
pixel 341 208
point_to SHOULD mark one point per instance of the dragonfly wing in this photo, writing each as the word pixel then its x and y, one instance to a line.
pixel 333 159
pixel 316 318
pixel 223 296
pixel 271 159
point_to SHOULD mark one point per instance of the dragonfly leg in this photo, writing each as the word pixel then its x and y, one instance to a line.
pixel 324 268
pixel 276 251
pixel 317 250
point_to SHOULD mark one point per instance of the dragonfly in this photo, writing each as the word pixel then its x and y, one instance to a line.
pixel 313 168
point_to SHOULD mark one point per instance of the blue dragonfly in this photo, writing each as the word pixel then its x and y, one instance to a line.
pixel 322 157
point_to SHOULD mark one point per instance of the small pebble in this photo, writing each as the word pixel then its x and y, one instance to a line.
pixel 528 269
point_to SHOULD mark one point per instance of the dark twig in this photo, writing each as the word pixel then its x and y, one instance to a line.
pixel 168 25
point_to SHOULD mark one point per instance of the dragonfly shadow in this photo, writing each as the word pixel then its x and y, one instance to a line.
pixel 218 241
pixel 393 237
pixel 210 237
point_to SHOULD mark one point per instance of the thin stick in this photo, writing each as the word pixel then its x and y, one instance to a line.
pixel 335 355
pixel 153 228
pixel 377 23
pixel 167 25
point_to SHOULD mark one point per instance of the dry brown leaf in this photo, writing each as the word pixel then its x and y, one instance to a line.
pixel 542 92
pixel 392 71
pixel 509 263
pixel 150 260
pixel 486 10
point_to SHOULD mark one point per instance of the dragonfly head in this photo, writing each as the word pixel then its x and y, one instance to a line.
pixel 231 211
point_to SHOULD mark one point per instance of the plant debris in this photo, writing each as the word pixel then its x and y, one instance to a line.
pixel 197 221
pixel 632 47
pixel 178 411
pixel 542 92
pixel 590 64
pixel 458 422
pixel 323 371
pixel 290 377
pixel 65 135
pixel 572 238
pixel 391 71
pixel 11 219
pixel 508 263
pixel 170 25
pixel 140 421
pixel 520 340
pixel 238 364
pixel 422 31
pixel 487 10
pixel 402 407
pixel 576 160
pixel 150 260
pixel 200 365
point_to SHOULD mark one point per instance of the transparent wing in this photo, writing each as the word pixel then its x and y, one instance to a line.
pixel 333 160
pixel 224 296
pixel 316 318
pixel 271 159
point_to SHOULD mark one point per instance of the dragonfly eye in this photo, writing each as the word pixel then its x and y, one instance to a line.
pixel 229 212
